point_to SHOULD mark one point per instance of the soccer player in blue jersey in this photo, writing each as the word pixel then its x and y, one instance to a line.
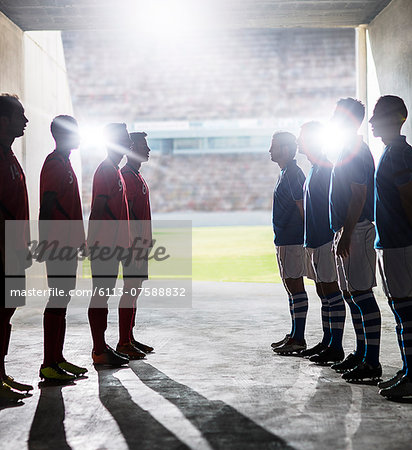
pixel 318 243
pixel 351 216
pixel 393 221
pixel 288 230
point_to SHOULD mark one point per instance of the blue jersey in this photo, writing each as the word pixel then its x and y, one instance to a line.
pixel 393 229
pixel 286 219
pixel 355 165
pixel 316 204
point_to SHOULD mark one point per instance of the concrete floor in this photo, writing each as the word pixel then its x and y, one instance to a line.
pixel 213 383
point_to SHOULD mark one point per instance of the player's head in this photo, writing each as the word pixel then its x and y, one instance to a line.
pixel 349 114
pixel 12 118
pixel 310 140
pixel 139 150
pixel 389 115
pixel 65 132
pixel 283 147
pixel 117 139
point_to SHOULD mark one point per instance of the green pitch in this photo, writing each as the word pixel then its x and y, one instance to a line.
pixel 234 254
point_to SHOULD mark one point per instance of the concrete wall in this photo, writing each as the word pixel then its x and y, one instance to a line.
pixel 391 42
pixel 11 63
pixel 32 66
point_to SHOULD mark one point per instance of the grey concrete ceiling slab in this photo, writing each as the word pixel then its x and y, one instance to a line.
pixel 107 14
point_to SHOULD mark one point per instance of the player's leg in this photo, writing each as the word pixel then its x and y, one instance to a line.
pixel 360 273
pixel 8 305
pixel 292 268
pixel 396 269
pixel 324 262
pixel 127 307
pixel 104 276
pixel 279 256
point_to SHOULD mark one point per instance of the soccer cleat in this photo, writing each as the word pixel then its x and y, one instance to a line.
pixel 403 388
pixel 109 358
pixel 143 347
pixel 130 351
pixel 363 371
pixel 314 350
pixel 72 368
pixel 291 347
pixel 328 356
pixel 349 363
pixel 54 373
pixel 388 383
pixel 16 385
pixel 280 343
pixel 8 395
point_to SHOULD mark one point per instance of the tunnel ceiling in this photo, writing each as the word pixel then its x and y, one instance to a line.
pixel 108 14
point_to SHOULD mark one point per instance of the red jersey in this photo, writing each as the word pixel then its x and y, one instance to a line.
pixel 14 202
pixel 108 182
pixel 139 205
pixel 57 175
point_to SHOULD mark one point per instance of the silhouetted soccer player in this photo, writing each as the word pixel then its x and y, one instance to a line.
pixel 318 244
pixel 351 215
pixel 60 221
pixel 14 205
pixel 136 271
pixel 288 230
pixel 108 232
pixel 393 221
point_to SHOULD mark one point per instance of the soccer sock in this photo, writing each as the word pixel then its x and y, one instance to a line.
pixel 51 326
pixel 403 309
pixel 337 314
pixel 292 316
pixel 58 349
pixel 357 326
pixel 5 328
pixel 98 325
pixel 125 318
pixel 133 322
pixel 300 310
pixel 325 321
pixel 398 329
pixel 371 318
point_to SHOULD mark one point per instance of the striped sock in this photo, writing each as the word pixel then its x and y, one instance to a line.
pixel 403 309
pixel 325 321
pixel 398 330
pixel 371 318
pixel 337 314
pixel 300 308
pixel 357 326
pixel 292 316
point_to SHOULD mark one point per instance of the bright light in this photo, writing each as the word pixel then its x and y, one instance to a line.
pixel 333 141
pixel 91 137
pixel 170 18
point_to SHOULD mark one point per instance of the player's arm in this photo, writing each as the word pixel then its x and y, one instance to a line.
pixel 405 191
pixel 355 207
pixel 299 204
pixel 97 214
pixel 2 237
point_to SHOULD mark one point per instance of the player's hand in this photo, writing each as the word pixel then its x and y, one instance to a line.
pixel 342 249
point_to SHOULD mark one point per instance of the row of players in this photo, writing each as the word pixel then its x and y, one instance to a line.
pixel 328 226
pixel 119 195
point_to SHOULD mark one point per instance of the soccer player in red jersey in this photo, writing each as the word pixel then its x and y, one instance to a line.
pixel 14 205
pixel 108 231
pixel 141 232
pixel 60 221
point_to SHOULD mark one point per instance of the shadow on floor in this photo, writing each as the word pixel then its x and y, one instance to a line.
pixel 47 429
pixel 139 428
pixel 220 424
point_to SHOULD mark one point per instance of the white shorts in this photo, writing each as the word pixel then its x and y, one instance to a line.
pixel 321 266
pixel 357 271
pixel 291 261
pixel 395 267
